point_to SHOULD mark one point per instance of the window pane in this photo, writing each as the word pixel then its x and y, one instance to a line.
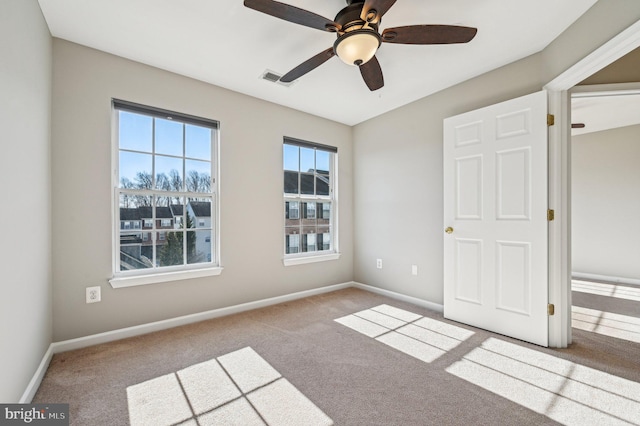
pixel 292 212
pixel 307 160
pixel 199 248
pixel 168 137
pixel 322 185
pixel 146 251
pixel 135 131
pixel 168 170
pixel 135 170
pixel 292 240
pixel 322 161
pixel 324 238
pixel 308 240
pixel 199 213
pixel 169 248
pixel 130 236
pixel 198 142
pixel 310 212
pixel 291 158
pixel 164 219
pixel 130 253
pixel 306 183
pixel 176 207
pixel 324 213
pixel 198 176
pixel 291 182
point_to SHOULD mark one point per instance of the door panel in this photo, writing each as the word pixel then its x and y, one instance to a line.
pixel 495 195
pixel 469 188
pixel 469 278
pixel 513 192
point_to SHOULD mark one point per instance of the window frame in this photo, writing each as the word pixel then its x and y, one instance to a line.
pixel 167 273
pixel 291 259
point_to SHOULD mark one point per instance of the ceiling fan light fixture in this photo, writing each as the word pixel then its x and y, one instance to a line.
pixel 357 47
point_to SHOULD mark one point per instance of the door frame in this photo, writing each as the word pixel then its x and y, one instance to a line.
pixel 559 102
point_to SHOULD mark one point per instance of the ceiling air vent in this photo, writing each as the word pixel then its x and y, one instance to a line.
pixel 274 77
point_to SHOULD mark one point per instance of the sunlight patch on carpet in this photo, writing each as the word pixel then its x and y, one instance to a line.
pixel 280 403
pixel 157 401
pixel 569 393
pixel 420 337
pixel 607 323
pixel 609 290
pixel 239 388
pixel 248 369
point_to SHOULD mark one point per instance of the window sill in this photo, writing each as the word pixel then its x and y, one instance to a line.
pixel 292 261
pixel 120 282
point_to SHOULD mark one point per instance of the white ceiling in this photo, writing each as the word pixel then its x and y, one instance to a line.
pixel 604 112
pixel 224 43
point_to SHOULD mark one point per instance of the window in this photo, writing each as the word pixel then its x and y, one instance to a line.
pixel 309 201
pixel 164 162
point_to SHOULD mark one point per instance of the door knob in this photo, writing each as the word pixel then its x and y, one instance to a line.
pixel 449 230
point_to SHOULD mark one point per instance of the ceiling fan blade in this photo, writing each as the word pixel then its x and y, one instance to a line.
pixel 376 8
pixel 308 65
pixel 372 74
pixel 292 14
pixel 429 34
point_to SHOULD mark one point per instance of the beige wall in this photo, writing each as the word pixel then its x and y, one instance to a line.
pixel 84 81
pixel 398 157
pixel 624 70
pixel 606 202
pixel 398 181
pixel 25 106
pixel 605 20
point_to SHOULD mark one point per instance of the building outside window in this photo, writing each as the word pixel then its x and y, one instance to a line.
pixel 309 198
pixel 164 161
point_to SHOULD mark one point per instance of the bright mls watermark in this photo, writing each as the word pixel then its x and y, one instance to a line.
pixel 34 414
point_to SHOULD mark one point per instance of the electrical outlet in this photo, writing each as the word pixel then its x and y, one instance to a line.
pixel 93 294
pixel 414 269
pixel 379 263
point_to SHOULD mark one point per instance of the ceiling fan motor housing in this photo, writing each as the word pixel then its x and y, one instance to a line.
pixel 355 45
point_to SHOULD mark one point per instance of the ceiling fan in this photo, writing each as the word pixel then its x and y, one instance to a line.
pixel 358 37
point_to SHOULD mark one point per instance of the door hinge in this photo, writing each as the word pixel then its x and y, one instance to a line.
pixel 551 309
pixel 551 119
pixel 551 215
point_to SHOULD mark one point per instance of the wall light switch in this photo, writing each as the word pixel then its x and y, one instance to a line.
pixel 414 269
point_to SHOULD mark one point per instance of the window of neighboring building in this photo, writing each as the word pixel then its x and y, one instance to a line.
pixel 310 205
pixel 164 161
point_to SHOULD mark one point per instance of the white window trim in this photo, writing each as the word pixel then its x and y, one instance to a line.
pixel 120 280
pixel 310 258
pixel 163 277
pixel 294 259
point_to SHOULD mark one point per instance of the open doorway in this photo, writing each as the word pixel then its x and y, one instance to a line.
pixel 560 263
pixel 605 201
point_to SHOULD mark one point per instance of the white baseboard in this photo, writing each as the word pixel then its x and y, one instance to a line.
pixel 402 297
pixel 110 336
pixel 596 277
pixel 34 384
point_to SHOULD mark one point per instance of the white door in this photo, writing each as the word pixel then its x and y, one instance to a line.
pixel 495 209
